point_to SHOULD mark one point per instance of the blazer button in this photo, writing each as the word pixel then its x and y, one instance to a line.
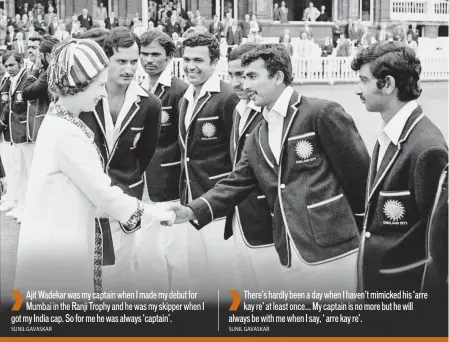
pixel 367 235
pixel 282 186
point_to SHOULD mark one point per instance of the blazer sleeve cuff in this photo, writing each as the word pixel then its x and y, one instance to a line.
pixel 203 211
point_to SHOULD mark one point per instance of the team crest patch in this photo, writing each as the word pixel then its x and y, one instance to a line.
pixel 304 150
pixel 19 97
pixel 209 130
pixel 394 211
pixel 4 97
pixel 136 139
pixel 165 118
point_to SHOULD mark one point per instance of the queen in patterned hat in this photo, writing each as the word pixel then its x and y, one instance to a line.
pixel 60 247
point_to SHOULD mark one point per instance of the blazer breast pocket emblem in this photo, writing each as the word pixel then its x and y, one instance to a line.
pixel 209 130
pixel 19 97
pixel 304 150
pixel 394 211
pixel 4 97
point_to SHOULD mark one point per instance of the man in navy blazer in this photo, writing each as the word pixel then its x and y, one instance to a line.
pixel 162 252
pixel 126 126
pixel 311 164
pixel 409 156
pixel 250 223
pixel 205 124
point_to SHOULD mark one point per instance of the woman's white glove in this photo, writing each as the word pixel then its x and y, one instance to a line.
pixel 158 212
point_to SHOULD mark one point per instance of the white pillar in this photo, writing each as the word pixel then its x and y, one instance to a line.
pixel 145 14
pixel 236 13
pixel 217 8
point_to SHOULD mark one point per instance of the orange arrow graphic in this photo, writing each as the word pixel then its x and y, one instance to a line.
pixel 19 300
pixel 235 300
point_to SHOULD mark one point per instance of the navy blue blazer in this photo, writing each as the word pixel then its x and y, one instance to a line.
pixel 253 213
pixel 14 114
pixel 135 146
pixel 313 193
pixel 398 206
pixel 205 149
pixel 164 171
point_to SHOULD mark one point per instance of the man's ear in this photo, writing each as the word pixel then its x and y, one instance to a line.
pixel 390 85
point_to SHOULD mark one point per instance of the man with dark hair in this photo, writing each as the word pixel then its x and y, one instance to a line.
pixel 126 126
pixel 162 252
pixel 86 20
pixel 35 89
pixel 14 125
pixel 205 117
pixel 216 28
pixel 311 164
pixel 409 156
pixel 33 48
pixel 250 222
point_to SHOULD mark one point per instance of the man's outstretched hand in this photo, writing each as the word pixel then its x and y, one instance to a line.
pixel 183 214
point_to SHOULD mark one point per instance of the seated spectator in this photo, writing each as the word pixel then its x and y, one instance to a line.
pixel 327 48
pixel 287 42
pixel 305 46
pixel 61 34
pixel 412 43
pixel 343 46
pixel 382 34
pixel 366 37
pixel 285 36
pixel 308 31
pixel 178 46
pixel 336 31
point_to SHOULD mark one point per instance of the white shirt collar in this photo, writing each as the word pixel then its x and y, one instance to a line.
pixel 281 105
pixel 244 104
pixel 165 77
pixel 394 128
pixel 211 85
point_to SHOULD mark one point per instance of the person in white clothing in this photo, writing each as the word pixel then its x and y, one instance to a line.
pixel 59 247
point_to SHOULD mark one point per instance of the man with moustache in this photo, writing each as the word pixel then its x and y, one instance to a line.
pixel 161 253
pixel 126 127
pixel 205 125
pixel 310 162
pixel 250 222
pixel 409 156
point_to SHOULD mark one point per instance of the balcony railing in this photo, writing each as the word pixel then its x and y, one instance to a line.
pixel 419 10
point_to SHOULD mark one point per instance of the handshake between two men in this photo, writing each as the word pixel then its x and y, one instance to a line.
pixel 171 213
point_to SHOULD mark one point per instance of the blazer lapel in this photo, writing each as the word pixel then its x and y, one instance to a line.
pixel 125 123
pixel 393 152
pixel 99 116
pixel 160 91
pixel 199 106
pixel 291 114
pixel 265 147
pixel 182 115
pixel 131 114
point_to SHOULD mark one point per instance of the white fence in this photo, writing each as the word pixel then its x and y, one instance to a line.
pixel 333 69
pixel 419 10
